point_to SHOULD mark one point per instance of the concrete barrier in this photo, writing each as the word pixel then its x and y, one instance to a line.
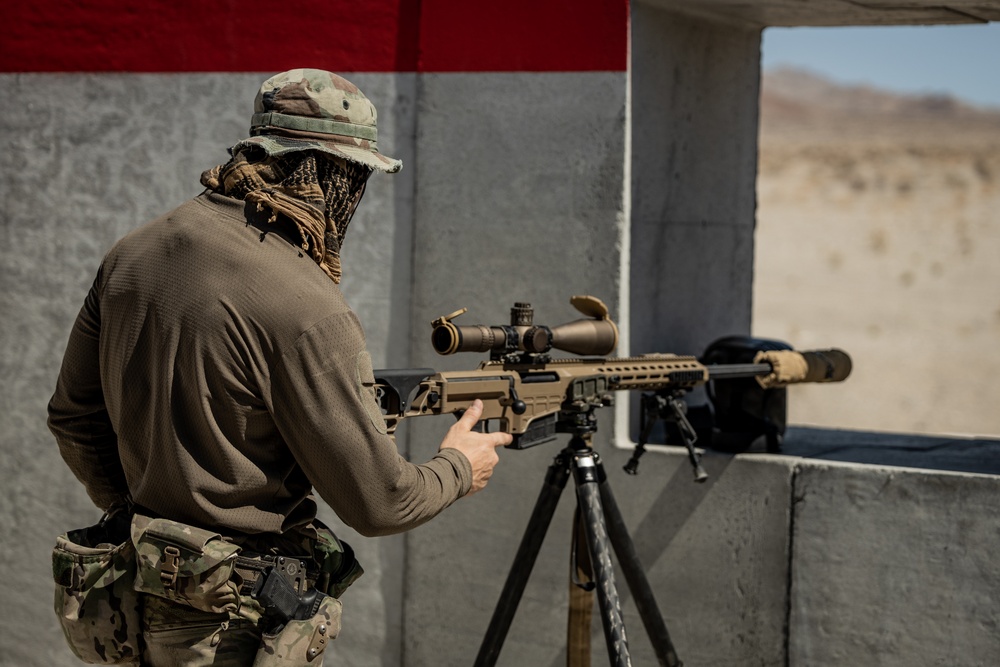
pixel 893 566
pixel 776 560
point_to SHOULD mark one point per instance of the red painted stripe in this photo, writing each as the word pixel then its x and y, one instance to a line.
pixel 178 36
pixel 339 35
pixel 519 36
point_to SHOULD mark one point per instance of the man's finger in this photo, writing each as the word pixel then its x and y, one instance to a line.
pixel 503 440
pixel 471 416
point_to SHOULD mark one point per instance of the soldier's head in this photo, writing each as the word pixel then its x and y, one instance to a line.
pixel 312 146
pixel 312 109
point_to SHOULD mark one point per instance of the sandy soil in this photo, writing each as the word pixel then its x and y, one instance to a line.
pixel 878 231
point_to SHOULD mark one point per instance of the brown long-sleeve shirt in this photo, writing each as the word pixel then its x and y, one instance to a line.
pixel 217 374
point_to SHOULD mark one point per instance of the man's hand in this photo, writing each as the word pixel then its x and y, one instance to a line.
pixel 479 448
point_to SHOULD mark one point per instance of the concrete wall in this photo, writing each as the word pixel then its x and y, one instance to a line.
pixel 695 89
pixel 794 561
pixel 775 560
pixel 894 567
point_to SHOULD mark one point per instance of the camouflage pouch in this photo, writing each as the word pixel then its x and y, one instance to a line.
pixel 301 643
pixel 338 566
pixel 185 564
pixel 98 609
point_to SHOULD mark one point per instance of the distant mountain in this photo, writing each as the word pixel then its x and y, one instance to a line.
pixel 793 98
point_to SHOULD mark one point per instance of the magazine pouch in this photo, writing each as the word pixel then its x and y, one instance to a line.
pixel 339 568
pixel 98 609
pixel 184 564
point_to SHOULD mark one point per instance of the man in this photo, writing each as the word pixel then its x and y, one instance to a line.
pixel 215 374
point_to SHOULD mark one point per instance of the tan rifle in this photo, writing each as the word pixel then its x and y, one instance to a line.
pixel 533 396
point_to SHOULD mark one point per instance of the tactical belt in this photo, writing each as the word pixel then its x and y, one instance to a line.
pixel 251 566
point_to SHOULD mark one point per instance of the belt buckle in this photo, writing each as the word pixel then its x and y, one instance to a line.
pixel 170 566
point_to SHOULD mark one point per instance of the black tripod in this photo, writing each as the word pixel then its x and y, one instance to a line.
pixel 601 522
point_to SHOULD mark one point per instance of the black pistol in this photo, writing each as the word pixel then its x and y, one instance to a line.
pixel 278 592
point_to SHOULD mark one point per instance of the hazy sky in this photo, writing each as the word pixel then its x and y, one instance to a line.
pixel 961 60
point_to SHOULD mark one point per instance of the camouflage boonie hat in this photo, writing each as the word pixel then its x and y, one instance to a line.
pixel 311 109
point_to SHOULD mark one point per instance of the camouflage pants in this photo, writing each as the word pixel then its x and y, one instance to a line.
pixel 176 635
pixel 180 636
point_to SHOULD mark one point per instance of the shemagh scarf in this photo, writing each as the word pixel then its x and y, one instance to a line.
pixel 315 191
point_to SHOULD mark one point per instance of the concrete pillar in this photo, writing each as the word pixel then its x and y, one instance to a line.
pixel 694 163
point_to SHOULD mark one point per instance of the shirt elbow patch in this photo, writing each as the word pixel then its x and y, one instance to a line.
pixel 365 385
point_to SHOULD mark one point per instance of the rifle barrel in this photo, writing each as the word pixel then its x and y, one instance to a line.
pixel 730 371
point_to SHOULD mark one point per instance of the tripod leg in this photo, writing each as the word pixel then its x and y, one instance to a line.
pixel 628 558
pixel 589 498
pixel 581 597
pixel 524 561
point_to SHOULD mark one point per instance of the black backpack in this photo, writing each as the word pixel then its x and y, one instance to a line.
pixel 741 414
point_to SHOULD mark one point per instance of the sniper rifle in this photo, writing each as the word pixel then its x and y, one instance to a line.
pixel 534 397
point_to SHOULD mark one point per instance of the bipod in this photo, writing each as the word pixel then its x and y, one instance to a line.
pixel 603 526
pixel 668 407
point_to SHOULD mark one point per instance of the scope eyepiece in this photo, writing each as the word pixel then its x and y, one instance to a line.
pixel 448 338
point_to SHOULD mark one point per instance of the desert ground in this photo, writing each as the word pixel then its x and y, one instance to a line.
pixel 878 231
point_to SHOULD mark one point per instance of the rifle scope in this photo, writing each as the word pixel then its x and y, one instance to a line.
pixel 595 335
